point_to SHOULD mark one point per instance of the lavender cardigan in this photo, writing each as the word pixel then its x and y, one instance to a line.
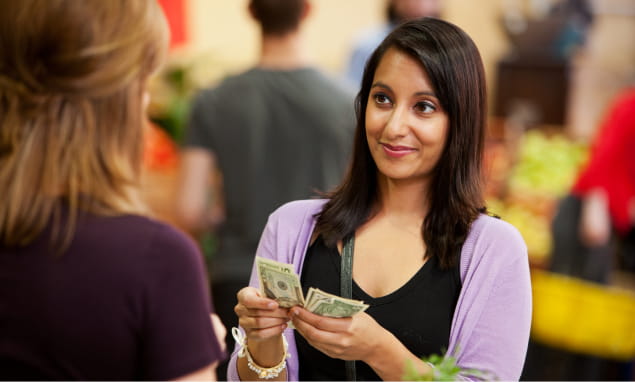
pixel 490 328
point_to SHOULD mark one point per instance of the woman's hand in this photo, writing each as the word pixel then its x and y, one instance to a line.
pixel 263 321
pixel 261 317
pixel 350 338
pixel 359 337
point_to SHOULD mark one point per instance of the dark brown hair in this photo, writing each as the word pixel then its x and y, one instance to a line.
pixel 277 17
pixel 454 67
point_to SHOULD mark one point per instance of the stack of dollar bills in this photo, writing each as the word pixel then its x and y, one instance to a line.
pixel 279 281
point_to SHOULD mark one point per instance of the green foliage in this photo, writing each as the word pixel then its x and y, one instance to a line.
pixel 174 117
pixel 209 245
pixel 174 87
pixel 444 368
pixel 172 114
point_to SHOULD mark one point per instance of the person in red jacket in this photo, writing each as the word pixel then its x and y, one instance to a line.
pixel 602 201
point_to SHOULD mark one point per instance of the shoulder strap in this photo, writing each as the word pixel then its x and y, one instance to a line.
pixel 346 290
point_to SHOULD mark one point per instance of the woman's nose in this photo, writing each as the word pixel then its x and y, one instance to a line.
pixel 397 123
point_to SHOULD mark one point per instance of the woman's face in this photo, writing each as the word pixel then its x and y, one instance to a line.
pixel 406 127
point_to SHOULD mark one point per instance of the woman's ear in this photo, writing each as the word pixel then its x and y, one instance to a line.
pixel 306 10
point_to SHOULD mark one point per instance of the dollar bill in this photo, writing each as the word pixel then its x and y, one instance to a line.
pixel 338 308
pixel 314 296
pixel 326 304
pixel 279 281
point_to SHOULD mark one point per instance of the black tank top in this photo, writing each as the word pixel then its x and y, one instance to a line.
pixel 419 313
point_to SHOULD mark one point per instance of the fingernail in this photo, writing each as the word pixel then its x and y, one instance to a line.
pixel 271 305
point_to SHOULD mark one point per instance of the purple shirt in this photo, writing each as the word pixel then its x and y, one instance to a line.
pixel 128 300
pixel 490 328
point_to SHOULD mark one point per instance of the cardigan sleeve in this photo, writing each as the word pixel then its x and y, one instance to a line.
pixel 284 239
pixel 491 325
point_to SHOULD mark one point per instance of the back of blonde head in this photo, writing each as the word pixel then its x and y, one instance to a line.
pixel 72 77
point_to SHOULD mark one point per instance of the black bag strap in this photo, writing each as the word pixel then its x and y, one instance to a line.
pixel 346 290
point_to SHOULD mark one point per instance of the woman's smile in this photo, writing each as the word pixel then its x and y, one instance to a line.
pixel 406 125
pixel 397 151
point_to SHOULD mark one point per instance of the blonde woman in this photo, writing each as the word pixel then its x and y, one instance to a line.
pixel 89 287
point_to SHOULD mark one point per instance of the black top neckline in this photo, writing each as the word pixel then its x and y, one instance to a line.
pixel 418 314
pixel 408 286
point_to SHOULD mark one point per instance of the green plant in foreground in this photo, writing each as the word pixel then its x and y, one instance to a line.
pixel 444 369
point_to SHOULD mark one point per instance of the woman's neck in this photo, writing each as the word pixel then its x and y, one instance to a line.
pixel 407 198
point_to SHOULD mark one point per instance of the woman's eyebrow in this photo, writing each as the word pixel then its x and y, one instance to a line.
pixel 380 84
pixel 426 93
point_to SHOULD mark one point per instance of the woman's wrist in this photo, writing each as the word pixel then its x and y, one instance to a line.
pixel 261 359
pixel 269 352
pixel 390 357
pixel 265 352
pixel 267 372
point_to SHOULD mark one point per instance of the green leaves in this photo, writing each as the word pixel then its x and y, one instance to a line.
pixel 444 368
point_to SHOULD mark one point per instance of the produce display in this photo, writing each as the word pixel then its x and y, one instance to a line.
pixel 546 164
pixel 540 169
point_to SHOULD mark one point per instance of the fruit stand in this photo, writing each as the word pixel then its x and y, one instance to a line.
pixel 527 174
pixel 526 177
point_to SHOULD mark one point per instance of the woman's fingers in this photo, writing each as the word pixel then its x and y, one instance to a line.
pixel 261 322
pixel 319 329
pixel 332 344
pixel 344 338
pixel 260 317
pixel 243 311
pixel 251 304
pixel 266 333
pixel 251 298
pixel 330 324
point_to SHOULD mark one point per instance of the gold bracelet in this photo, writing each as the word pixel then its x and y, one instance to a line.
pixel 263 372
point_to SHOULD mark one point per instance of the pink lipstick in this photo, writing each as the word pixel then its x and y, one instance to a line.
pixel 397 151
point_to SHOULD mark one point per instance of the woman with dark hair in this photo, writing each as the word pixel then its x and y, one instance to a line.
pixel 438 273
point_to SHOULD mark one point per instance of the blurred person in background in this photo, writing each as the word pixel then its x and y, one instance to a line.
pixel 279 131
pixel 397 12
pixel 90 287
pixel 438 273
pixel 594 237
pixel 593 229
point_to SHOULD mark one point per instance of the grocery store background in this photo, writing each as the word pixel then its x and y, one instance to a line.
pixel 545 109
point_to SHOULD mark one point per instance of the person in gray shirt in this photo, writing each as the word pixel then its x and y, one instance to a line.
pixel 278 132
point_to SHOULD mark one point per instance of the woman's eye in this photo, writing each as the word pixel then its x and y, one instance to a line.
pixel 381 99
pixel 425 107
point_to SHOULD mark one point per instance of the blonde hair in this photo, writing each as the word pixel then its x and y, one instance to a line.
pixel 72 78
